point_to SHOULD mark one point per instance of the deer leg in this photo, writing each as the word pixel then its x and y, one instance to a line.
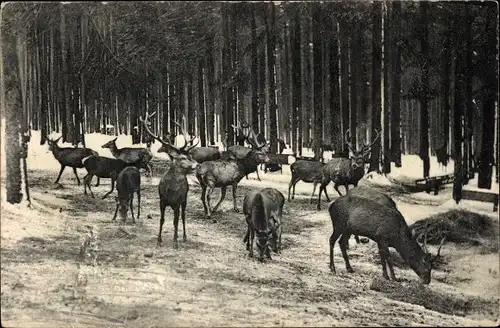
pixel 132 207
pixel 258 177
pixel 162 220
pixel 314 189
pixel 290 185
pixel 112 188
pixel 183 208
pixel 60 172
pixel 346 188
pixel 247 237
pixel 86 182
pixel 235 207
pixel 203 193
pixel 322 188
pixel 207 200
pixel 138 204
pixel 333 239
pixel 384 253
pixel 343 242
pixel 336 186
pixel 222 196
pixel 116 210
pixel 326 194
pixel 268 253
pixel 176 225
pixel 252 236
pixel 148 167
pixel 98 182
pixel 76 175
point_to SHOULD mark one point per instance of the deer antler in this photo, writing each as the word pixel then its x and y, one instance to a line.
pixel 439 248
pixel 368 147
pixel 186 142
pixel 145 123
pixel 347 141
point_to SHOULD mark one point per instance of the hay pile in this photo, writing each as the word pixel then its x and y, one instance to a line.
pixel 461 227
pixel 415 293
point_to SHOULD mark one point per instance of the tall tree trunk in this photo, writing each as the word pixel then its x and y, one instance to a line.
pixel 210 93
pixel 262 90
pixel 270 32
pixel 396 84
pixel 201 107
pixel 11 99
pixel 424 97
pixel 386 164
pixel 297 82
pixel 446 107
pixel 353 64
pixel 42 85
pixel 254 72
pixel 335 113
pixel 344 81
pixel 490 95
pixel 227 101
pixel 468 157
pixel 317 70
pixel 376 77
pixel 459 104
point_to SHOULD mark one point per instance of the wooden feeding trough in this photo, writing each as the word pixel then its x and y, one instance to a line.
pixel 482 196
pixel 429 184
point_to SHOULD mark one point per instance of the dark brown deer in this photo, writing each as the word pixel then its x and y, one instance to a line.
pixel 345 171
pixel 104 167
pixel 131 155
pixel 69 156
pixel 263 210
pixel 226 172
pixel 373 194
pixel 173 187
pixel 384 225
pixel 306 171
pixel 128 183
pixel 273 201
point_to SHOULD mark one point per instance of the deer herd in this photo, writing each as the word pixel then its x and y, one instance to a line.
pixel 361 211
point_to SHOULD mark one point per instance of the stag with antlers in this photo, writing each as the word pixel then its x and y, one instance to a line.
pixel 346 171
pixel 173 187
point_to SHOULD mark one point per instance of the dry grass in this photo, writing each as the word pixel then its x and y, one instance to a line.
pixel 418 294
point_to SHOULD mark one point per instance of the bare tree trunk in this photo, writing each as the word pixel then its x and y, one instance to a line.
pixel 344 81
pixel 396 85
pixel 317 70
pixel 254 72
pixel 386 164
pixel 335 110
pixel 424 98
pixel 297 83
pixel 201 101
pixel 376 76
pixel 490 95
pixel 270 32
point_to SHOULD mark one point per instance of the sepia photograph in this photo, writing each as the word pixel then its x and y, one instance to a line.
pixel 328 163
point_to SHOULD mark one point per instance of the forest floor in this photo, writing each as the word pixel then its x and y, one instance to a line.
pixel 210 280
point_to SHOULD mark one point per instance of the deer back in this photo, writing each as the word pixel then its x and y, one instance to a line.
pixel 128 181
pixel 307 171
pixel 373 194
pixel 203 154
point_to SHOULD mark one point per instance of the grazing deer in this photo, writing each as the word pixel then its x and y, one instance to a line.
pixel 224 172
pixel 131 155
pixel 273 201
pixel 306 171
pixel 128 182
pixel 345 171
pixel 384 225
pixel 69 156
pixel 373 194
pixel 263 210
pixel 104 167
pixel 173 187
